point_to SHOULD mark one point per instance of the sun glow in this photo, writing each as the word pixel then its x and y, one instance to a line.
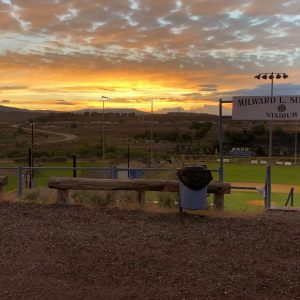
pixel 58 92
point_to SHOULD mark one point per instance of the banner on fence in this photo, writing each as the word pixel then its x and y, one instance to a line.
pixel 266 108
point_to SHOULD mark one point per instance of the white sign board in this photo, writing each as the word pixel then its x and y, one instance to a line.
pixel 266 108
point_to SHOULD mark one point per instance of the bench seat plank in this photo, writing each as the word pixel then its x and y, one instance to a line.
pixel 128 184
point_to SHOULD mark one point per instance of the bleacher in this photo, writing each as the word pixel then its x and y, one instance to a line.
pixel 240 152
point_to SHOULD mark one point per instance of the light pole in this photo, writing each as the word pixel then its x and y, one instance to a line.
pixel 296 142
pixel 103 142
pixel 31 156
pixel 32 143
pixel 271 76
pixel 151 135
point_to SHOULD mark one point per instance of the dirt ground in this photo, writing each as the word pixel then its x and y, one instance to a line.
pixel 276 188
pixel 71 252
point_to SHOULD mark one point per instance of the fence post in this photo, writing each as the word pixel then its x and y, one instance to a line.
pixel 20 181
pixel 30 170
pixel 74 166
pixel 114 173
pixel 267 196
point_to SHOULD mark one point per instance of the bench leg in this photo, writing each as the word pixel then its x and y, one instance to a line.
pixel 62 196
pixel 219 201
pixel 141 198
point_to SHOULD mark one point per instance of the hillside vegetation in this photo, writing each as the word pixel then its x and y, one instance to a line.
pixel 173 134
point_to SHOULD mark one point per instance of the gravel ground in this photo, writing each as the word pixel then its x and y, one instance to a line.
pixel 68 252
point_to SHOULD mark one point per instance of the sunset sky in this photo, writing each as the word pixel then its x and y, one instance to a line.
pixel 182 54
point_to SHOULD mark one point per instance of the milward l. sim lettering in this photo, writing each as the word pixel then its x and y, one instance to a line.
pixel 256 101
pixel 295 100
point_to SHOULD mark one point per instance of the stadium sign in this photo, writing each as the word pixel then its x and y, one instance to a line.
pixel 266 108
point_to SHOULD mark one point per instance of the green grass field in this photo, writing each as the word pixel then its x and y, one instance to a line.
pixel 257 173
pixel 249 201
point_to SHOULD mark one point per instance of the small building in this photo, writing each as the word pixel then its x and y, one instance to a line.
pixel 135 171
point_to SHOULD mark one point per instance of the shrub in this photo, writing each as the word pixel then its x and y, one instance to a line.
pixel 97 198
pixel 52 159
pixel 167 200
pixel 126 197
pixel 39 195
pixel 22 159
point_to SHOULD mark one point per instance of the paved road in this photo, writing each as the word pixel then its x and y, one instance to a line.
pixel 64 137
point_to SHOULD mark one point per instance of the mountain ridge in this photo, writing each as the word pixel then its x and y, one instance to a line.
pixel 4 109
pixel 80 111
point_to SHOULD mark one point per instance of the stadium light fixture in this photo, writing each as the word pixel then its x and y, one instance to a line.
pixel 271 76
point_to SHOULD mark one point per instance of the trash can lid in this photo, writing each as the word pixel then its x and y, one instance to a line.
pixel 194 177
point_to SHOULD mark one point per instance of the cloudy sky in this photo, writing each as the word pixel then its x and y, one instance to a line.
pixel 181 54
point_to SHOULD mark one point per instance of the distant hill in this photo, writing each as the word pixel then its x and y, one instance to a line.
pixel 13 114
pixel 112 110
pixel 22 110
pixel 12 109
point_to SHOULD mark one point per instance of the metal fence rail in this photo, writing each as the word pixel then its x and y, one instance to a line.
pixel 96 172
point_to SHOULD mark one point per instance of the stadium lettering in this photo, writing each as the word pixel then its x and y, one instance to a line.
pixel 281 115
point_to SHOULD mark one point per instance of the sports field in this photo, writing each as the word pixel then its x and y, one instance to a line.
pixel 283 178
pixel 234 172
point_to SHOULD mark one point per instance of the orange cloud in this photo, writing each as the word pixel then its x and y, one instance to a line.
pixel 57 53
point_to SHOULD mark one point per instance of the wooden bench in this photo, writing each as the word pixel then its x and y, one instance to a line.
pixel 64 184
pixel 3 182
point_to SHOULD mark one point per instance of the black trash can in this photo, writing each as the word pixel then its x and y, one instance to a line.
pixel 193 182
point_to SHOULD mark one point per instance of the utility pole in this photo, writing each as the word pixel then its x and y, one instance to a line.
pixel 32 155
pixel 103 142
